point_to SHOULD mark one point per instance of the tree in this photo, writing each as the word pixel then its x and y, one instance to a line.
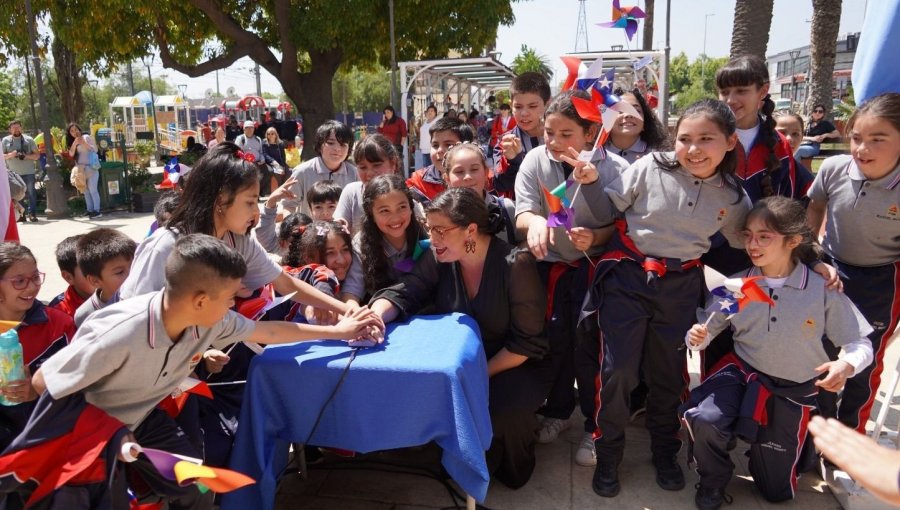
pixel 7 100
pixel 361 91
pixel 690 82
pixel 528 59
pixel 752 20
pixel 69 81
pixel 826 21
pixel 649 7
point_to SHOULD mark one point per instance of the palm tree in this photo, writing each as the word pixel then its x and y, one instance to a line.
pixel 826 21
pixel 752 20
pixel 649 6
pixel 528 59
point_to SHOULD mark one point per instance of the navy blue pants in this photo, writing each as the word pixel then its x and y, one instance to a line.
pixel 643 322
pixel 713 416
pixel 876 292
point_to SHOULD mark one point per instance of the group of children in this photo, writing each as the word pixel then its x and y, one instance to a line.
pixel 623 276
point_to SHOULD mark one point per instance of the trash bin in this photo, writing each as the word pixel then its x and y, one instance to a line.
pixel 112 185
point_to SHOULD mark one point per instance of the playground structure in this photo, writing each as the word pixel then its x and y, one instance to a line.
pixel 131 115
pixel 173 123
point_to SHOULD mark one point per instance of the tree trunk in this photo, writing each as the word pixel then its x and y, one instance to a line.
pixel 752 20
pixel 70 82
pixel 648 24
pixel 826 22
pixel 316 83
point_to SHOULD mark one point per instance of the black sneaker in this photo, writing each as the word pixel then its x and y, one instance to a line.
pixel 23 219
pixel 669 475
pixel 708 498
pixel 33 218
pixel 606 480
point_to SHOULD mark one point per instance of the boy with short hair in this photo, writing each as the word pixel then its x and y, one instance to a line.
pixel 129 356
pixel 163 209
pixel 322 199
pixel 427 183
pixel 530 93
pixel 79 288
pixel 104 257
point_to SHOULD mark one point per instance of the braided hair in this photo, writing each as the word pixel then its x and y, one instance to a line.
pixel 751 70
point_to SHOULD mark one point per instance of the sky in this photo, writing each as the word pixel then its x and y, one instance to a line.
pixel 790 29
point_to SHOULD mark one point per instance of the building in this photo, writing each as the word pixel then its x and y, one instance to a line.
pixel 789 69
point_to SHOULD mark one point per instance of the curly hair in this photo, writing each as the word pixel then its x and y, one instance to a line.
pixel 308 243
pixel 377 269
pixel 654 133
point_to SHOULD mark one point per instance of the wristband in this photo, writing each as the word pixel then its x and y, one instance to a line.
pixel 126 451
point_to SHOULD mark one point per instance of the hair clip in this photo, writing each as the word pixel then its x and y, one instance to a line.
pixel 245 156
pixel 321 230
pixel 300 229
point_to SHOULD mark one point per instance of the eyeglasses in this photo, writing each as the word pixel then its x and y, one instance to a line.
pixel 21 282
pixel 439 231
pixel 763 240
pixel 818 111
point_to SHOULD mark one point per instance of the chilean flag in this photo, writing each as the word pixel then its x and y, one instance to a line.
pixel 736 293
pixel 581 76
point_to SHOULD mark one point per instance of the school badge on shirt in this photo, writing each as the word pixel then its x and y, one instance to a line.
pixel 722 213
pixel 195 359
pixel 809 328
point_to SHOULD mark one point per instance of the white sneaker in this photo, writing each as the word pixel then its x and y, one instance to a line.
pixel 550 429
pixel 586 455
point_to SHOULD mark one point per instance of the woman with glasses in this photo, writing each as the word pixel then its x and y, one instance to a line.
pixel 470 270
pixel 42 332
pixel 818 130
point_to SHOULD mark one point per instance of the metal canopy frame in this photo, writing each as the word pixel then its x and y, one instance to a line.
pixel 480 74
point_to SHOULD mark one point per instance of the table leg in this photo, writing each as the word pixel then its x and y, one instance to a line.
pixel 470 502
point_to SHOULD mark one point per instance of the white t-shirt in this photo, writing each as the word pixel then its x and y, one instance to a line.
pixel 747 136
pixel 425 137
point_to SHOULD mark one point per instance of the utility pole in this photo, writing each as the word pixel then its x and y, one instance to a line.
pixel 218 94
pixel 56 199
pixel 152 101
pixel 258 84
pixel 664 86
pixel 130 79
pixel 394 99
pixel 34 124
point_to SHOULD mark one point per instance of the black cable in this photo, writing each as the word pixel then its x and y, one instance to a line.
pixel 331 397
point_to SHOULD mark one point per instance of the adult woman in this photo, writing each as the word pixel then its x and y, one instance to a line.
pixel 274 150
pixel 220 199
pixel 818 129
pixel 469 270
pixel 220 137
pixel 80 148
pixel 393 128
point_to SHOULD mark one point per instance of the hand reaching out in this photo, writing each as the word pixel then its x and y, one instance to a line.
pixel 281 193
pixel 838 373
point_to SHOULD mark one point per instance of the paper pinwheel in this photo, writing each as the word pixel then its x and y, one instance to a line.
pixel 580 76
pixel 187 470
pixel 624 17
pixel 406 265
pixel 561 214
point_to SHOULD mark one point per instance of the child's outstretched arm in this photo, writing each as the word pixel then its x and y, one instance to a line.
pixel 307 294
pixel 354 325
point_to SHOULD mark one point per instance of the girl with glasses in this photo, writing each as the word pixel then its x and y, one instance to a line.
pixel 42 332
pixel 779 361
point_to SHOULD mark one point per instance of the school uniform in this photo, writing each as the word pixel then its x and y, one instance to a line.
pixel 91 305
pixel 764 391
pixel 506 170
pixel 631 154
pixel 67 302
pixel 502 213
pixel 350 206
pixel 355 282
pixel 43 332
pixel 124 363
pixel 862 241
pixel 646 288
pixel 566 274
pixel 148 270
pixel 266 231
pixel 310 172
pixel 425 184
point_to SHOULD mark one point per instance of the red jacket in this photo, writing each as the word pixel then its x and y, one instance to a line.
pixel 425 184
pixel 394 131
pixel 67 302
pixel 497 128
pixel 43 332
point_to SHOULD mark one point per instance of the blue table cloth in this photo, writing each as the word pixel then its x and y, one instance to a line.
pixel 427 382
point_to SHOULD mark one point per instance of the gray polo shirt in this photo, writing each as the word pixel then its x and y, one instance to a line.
pixel 786 340
pixel 124 362
pixel 592 209
pixel 148 271
pixel 355 282
pixel 313 171
pixel 349 207
pixel 863 216
pixel 91 305
pixel 672 214
pixel 23 144
pixel 638 148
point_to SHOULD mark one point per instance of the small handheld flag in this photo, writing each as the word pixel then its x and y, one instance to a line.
pixel 171 175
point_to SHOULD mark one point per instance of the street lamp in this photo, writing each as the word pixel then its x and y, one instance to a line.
pixel 794 55
pixel 703 62
pixel 148 61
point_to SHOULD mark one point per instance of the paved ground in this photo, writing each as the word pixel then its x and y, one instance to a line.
pixel 557 483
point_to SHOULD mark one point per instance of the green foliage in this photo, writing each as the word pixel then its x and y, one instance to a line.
pixel 139 179
pixel 7 100
pixel 528 59
pixel 361 90
pixel 693 81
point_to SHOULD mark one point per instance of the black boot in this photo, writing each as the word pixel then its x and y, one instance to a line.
pixel 708 498
pixel 606 479
pixel 668 474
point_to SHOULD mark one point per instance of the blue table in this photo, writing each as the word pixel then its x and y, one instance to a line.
pixel 427 382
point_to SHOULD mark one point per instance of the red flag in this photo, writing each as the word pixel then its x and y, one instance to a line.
pixel 553 202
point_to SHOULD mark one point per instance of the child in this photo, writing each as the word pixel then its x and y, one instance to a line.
pixel 777 359
pixel 43 332
pixel 466 167
pixel 647 285
pixel 790 125
pixel 859 195
pixel 530 92
pixel 388 235
pixel 323 199
pixel 322 244
pixel 79 288
pixel 426 183
pixel 163 208
pixel 272 239
pixel 132 354
pixel 332 146
pixel 104 257
pixel 561 255
pixel 631 137
pixel 503 123
pixel 374 156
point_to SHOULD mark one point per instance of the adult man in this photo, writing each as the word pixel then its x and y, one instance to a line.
pixel 20 153
pixel 252 144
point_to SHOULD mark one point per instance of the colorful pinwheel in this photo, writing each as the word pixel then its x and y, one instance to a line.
pixel 561 212
pixel 624 17
pixel 406 265
pixel 581 76
pixel 187 470
pixel 604 106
